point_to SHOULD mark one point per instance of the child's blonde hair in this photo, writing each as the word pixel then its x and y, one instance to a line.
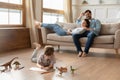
pixel 48 50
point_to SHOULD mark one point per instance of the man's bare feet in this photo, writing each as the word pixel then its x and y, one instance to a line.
pixel 80 54
pixel 84 54
pixel 36 45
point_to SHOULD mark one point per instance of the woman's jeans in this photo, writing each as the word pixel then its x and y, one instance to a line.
pixel 56 28
pixel 90 38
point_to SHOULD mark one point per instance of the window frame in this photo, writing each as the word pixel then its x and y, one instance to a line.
pixel 49 10
pixel 15 7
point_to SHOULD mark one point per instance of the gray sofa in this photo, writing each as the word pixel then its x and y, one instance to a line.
pixel 109 36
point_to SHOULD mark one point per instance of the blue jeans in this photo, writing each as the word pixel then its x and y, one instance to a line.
pixel 56 28
pixel 90 38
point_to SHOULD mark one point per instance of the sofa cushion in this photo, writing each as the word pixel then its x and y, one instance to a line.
pixel 109 28
pixel 55 37
pixel 99 39
pixel 67 26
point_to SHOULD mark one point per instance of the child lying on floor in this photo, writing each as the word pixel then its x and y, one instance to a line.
pixel 46 60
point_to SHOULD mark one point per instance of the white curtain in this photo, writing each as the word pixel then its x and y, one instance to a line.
pixel 38 10
pixel 30 21
pixel 68 11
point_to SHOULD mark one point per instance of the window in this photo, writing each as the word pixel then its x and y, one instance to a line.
pixel 52 17
pixel 12 12
pixel 53 4
pixel 12 1
pixel 10 16
pixel 53 11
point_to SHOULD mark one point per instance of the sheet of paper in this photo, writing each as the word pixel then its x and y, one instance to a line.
pixel 37 69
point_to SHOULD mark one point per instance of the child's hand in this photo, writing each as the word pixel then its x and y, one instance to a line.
pixel 46 68
pixel 42 67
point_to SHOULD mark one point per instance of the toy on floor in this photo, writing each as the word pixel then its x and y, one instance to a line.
pixel 7 65
pixel 62 70
pixel 2 70
pixel 17 65
pixel 72 70
pixel 21 68
pixel 45 72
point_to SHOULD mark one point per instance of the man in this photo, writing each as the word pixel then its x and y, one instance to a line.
pixel 90 33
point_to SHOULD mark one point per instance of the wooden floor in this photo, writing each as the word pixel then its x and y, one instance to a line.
pixel 100 64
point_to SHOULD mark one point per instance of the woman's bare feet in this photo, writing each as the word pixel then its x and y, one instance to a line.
pixel 84 54
pixel 69 31
pixel 37 24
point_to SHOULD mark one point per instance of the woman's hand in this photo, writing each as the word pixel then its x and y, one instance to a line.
pixel 88 29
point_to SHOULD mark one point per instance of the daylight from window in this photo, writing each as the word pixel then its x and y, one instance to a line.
pixel 9 16
pixel 50 17
pixel 53 4
pixel 12 1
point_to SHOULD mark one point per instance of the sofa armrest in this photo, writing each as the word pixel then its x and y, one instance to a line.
pixel 117 39
pixel 44 32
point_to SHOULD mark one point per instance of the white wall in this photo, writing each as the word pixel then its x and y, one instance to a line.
pixel 104 12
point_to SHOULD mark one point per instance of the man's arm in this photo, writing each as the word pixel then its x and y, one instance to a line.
pixel 98 27
pixel 78 21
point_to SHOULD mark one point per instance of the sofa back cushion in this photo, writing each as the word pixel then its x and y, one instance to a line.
pixel 106 28
pixel 67 26
pixel 109 28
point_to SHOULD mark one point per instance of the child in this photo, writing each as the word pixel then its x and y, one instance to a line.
pixel 84 26
pixel 47 59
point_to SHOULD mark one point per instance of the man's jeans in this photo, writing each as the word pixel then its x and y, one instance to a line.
pixel 90 38
pixel 56 28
